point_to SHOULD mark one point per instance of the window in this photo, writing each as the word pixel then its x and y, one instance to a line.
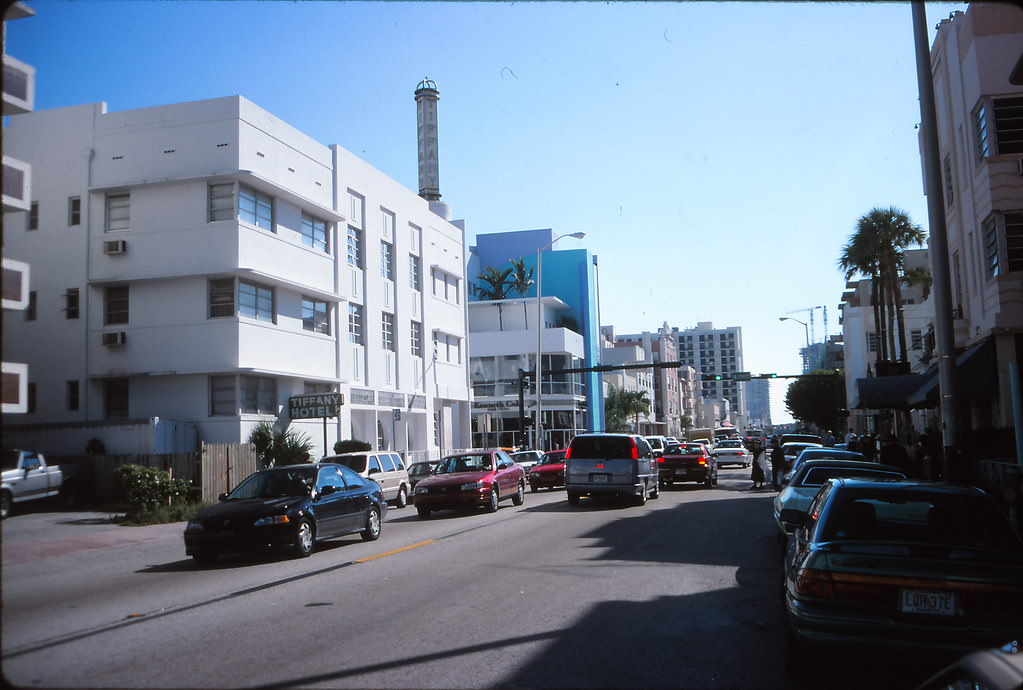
pixel 1008 114
pixel 259 395
pixel 916 338
pixel 255 208
pixel 73 397
pixel 872 342
pixel 387 331
pixel 314 232
pixel 220 204
pixel 990 248
pixel 980 131
pixel 30 310
pixel 74 210
pixel 71 303
pixel 414 273
pixel 315 316
pixel 957 286
pixel 255 301
pixel 33 216
pixel 354 247
pixel 118 212
pixel 417 339
pixel 115 398
pixel 222 396
pixel 115 305
pixel 221 298
pixel 386 260
pixel 354 323
pixel 1014 240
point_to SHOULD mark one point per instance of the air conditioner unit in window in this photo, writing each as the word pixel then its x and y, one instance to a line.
pixel 114 339
pixel 115 247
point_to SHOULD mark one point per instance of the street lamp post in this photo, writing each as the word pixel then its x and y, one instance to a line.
pixel 538 432
pixel 806 330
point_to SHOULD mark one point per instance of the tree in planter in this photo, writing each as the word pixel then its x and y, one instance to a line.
pixel 277 447
pixel 351 445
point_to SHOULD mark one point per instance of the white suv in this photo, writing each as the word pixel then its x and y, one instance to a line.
pixel 383 467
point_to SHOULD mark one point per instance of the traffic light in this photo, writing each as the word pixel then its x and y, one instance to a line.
pixel 711 377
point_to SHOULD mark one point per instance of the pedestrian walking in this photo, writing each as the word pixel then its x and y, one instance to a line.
pixel 777 465
pixel 757 473
pixel 892 453
pixel 868 446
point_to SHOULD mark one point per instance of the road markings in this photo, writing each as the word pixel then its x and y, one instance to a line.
pixel 367 559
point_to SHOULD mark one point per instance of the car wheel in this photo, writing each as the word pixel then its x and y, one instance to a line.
pixel 533 488
pixel 372 531
pixel 5 504
pixel 495 498
pixel 305 538
pixel 423 511
pixel 573 498
pixel 640 500
pixel 402 500
pixel 520 494
pixel 656 492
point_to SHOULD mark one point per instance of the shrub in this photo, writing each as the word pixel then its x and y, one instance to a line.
pixel 146 488
pixel 351 445
pixel 276 447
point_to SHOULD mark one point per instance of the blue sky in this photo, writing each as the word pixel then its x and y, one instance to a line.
pixel 717 155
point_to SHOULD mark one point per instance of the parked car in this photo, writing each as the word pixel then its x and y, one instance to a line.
pixel 801 438
pixel 822 453
pixel 610 464
pixel 27 477
pixel 810 476
pixel 550 473
pixel 657 444
pixel 731 451
pixel 385 468
pixel 481 478
pixel 687 462
pixel 988 669
pixel 528 458
pixel 290 507
pixel 419 470
pixel 793 449
pixel 900 565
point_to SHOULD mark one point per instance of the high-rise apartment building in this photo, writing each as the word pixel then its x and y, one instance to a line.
pixel 713 351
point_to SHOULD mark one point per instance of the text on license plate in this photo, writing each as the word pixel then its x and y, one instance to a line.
pixel 928 601
pixel 600 478
pixel 681 472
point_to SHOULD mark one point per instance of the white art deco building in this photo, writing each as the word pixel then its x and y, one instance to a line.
pixel 205 261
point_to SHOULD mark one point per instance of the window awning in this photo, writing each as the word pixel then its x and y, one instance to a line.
pixel 888 392
pixel 976 377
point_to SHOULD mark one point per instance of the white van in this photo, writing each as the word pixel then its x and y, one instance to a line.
pixel 384 467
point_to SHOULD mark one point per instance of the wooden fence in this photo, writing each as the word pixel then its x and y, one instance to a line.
pixel 216 469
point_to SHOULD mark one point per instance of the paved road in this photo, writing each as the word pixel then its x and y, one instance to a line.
pixel 681 592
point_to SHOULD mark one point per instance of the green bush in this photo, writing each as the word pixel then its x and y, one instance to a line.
pixel 275 447
pixel 351 445
pixel 145 488
pixel 179 512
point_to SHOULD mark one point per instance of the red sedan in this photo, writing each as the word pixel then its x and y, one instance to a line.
pixel 550 473
pixel 476 479
pixel 687 462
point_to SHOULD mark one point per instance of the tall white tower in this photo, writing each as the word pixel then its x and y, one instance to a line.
pixel 427 96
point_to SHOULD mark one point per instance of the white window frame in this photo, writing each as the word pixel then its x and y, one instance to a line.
pixel 118 212
pixel 314 232
pixel 256 301
pixel 315 315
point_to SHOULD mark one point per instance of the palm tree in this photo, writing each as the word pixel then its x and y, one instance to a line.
pixel 497 284
pixel 521 281
pixel 277 447
pixel 877 250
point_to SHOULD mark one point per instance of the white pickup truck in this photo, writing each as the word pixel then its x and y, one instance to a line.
pixel 27 477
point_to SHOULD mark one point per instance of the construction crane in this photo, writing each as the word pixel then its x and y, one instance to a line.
pixel 810 310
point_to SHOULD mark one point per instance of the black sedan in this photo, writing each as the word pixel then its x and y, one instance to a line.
pixel 289 507
pixel 901 565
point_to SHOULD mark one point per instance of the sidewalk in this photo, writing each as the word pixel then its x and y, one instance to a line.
pixel 46 535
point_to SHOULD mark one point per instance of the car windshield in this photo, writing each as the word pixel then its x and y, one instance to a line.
pixel 955 520
pixel 688 449
pixel 276 483
pixel 730 444
pixel 555 456
pixel 356 463
pixel 465 463
pixel 419 469
pixel 816 476
pixel 606 447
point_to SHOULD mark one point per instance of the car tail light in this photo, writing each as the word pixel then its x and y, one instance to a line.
pixel 600 467
pixel 635 450
pixel 814 583
pixel 568 453
pixel 702 461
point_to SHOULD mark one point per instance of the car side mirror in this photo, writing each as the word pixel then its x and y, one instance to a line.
pixel 222 497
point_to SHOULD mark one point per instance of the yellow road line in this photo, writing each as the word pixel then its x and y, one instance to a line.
pixel 391 553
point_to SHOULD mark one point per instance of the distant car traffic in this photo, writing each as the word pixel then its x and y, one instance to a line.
pixel 289 507
pixel 550 473
pixel 687 462
pixel 475 479
pixel 418 470
pixel 528 458
pixel 822 453
pixel 900 565
pixel 811 476
pixel 657 444
pixel 731 451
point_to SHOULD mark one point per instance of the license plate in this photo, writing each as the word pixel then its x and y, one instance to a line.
pixel 681 473
pixel 928 601
pixel 600 478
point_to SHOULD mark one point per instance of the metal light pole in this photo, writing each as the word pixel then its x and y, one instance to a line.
pixel 806 330
pixel 538 433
